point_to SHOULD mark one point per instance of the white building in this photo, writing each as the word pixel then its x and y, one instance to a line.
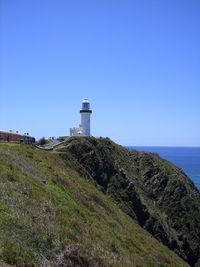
pixel 84 127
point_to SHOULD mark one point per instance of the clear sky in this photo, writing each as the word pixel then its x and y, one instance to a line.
pixel 138 61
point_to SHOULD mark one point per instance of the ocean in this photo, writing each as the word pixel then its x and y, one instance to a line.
pixel 187 158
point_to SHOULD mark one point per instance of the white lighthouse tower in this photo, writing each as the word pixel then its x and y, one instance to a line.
pixel 85 116
pixel 84 127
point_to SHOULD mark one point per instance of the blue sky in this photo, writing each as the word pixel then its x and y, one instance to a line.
pixel 137 61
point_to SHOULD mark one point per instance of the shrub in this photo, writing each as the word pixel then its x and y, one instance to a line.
pixel 42 141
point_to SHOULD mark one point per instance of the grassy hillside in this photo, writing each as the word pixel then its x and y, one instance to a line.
pixel 154 192
pixel 51 216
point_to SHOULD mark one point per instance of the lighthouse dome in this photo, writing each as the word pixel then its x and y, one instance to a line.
pixel 85 100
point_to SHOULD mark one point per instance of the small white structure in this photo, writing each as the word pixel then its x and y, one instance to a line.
pixel 84 127
pixel 76 131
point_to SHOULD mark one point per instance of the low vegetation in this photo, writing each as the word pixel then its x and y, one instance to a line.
pixel 152 191
pixel 51 215
pixel 43 141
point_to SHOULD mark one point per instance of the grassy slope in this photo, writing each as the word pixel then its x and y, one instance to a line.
pixel 153 191
pixel 47 211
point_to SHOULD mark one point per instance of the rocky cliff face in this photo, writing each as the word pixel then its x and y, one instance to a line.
pixel 154 192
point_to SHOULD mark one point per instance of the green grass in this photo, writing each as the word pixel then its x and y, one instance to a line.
pixel 45 206
pixel 152 191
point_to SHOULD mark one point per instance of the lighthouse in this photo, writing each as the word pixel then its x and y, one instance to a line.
pixel 85 116
pixel 84 127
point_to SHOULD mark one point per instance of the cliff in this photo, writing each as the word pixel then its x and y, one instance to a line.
pixel 50 215
pixel 152 191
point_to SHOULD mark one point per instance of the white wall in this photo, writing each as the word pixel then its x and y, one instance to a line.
pixel 85 123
